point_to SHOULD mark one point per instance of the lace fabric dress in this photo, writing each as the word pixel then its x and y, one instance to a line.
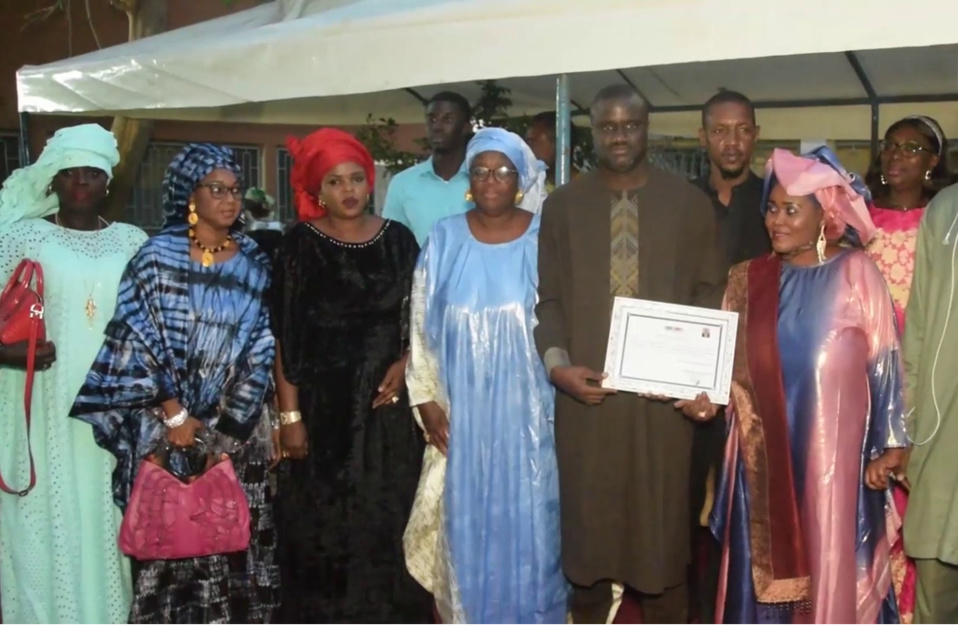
pixel 893 250
pixel 55 538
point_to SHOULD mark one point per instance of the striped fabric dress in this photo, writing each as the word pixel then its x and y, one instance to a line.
pixel 200 334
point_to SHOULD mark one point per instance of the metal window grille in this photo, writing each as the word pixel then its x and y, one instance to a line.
pixel 284 191
pixel 9 154
pixel 690 163
pixel 146 206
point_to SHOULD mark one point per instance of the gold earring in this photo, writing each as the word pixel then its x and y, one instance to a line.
pixel 468 196
pixel 192 218
pixel 519 196
pixel 820 245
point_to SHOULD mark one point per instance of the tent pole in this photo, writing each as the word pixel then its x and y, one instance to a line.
pixel 563 130
pixel 24 139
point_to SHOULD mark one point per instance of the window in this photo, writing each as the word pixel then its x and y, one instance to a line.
pixel 146 206
pixel 9 154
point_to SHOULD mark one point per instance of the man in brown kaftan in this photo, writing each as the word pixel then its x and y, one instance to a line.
pixel 632 230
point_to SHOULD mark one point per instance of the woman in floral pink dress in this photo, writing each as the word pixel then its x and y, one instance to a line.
pixel 911 167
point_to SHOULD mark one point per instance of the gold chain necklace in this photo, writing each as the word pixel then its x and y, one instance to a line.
pixel 90 307
pixel 209 252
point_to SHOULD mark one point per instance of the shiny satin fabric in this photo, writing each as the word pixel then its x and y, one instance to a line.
pixel 838 346
pixel 893 250
pixel 493 522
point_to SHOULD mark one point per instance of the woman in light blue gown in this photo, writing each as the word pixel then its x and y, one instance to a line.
pixel 59 558
pixel 484 532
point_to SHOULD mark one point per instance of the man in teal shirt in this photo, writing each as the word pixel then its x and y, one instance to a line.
pixel 425 193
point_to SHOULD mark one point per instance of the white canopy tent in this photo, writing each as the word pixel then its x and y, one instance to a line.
pixel 333 62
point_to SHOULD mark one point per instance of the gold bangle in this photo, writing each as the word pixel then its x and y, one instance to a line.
pixel 291 417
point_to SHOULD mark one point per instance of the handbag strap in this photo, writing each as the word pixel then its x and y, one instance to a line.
pixel 36 318
pixel 21 277
pixel 38 276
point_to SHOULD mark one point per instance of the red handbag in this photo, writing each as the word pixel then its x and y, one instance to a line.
pixel 168 519
pixel 21 320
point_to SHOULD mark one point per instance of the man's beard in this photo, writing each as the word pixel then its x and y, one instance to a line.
pixel 622 168
pixel 730 174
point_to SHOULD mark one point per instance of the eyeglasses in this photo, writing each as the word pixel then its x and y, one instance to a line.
pixel 501 174
pixel 219 191
pixel 908 148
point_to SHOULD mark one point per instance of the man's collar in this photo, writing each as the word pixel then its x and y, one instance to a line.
pixel 428 169
pixel 705 182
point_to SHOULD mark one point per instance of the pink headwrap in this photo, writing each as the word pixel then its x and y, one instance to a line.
pixel 843 206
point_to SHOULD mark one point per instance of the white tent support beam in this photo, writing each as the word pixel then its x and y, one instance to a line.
pixel 629 81
pixel 824 102
pixel 422 99
pixel 872 96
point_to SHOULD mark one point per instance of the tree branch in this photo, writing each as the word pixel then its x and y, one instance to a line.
pixel 89 19
pixel 127 6
pixel 146 17
pixel 42 14
pixel 68 10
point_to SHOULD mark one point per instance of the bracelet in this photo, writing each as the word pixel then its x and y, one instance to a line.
pixel 177 420
pixel 291 417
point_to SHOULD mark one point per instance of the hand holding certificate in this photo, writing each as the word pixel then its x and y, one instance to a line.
pixel 671 350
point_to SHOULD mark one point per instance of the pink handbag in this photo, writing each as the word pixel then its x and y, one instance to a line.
pixel 168 519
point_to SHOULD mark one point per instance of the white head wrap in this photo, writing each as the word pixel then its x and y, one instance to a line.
pixel 25 194
pixel 532 172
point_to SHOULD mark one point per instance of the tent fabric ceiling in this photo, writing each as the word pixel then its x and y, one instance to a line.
pixel 334 62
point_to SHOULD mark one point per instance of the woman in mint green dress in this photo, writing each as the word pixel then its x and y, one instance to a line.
pixel 59 559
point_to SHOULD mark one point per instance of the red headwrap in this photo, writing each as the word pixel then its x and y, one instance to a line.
pixel 313 157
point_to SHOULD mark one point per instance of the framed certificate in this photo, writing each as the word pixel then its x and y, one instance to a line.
pixel 672 350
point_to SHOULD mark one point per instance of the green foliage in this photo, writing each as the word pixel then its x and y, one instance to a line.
pixel 490 110
pixel 379 137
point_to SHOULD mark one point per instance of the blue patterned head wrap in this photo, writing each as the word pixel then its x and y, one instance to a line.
pixel 532 172
pixel 185 172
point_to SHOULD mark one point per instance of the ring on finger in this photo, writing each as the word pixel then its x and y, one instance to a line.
pixel 395 399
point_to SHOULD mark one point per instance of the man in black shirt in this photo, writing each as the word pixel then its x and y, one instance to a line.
pixel 728 134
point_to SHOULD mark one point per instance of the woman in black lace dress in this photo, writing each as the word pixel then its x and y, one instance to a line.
pixel 354 452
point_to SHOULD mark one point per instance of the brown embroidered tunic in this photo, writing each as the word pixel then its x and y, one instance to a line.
pixel 623 465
